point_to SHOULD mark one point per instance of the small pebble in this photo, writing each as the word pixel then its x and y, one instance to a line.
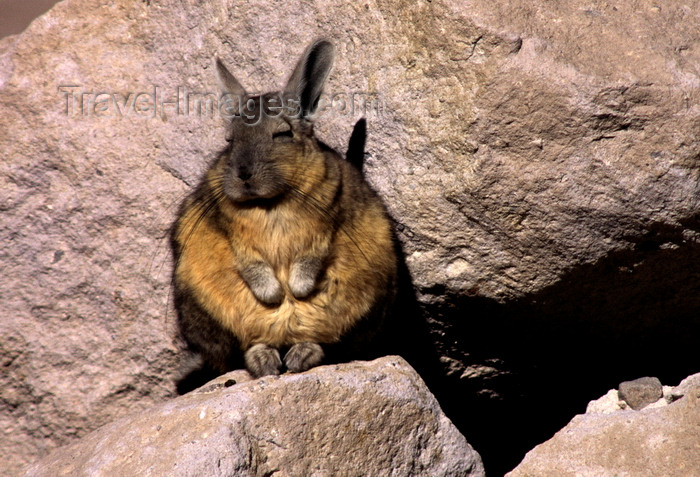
pixel 640 392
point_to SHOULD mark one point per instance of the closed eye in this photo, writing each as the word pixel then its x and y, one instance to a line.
pixel 283 136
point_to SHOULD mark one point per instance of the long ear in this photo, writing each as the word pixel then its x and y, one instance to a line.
pixel 308 77
pixel 227 82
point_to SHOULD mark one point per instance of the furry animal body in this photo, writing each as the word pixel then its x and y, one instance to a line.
pixel 283 247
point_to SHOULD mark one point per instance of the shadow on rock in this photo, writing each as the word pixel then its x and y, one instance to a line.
pixel 515 373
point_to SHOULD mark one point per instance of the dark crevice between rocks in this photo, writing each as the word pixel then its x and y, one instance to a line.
pixel 512 374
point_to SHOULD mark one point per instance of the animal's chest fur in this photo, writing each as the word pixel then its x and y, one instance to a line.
pixel 280 235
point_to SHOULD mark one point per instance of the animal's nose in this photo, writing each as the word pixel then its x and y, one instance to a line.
pixel 244 173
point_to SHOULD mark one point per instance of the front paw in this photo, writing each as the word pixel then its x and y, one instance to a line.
pixel 262 360
pixel 303 356
pixel 303 275
pixel 269 293
pixel 262 282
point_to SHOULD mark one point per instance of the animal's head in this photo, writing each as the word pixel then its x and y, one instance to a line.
pixel 271 143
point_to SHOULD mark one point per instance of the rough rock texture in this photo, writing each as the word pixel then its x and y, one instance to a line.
pixel 655 441
pixel 363 419
pixel 606 404
pixel 540 157
pixel 641 392
pixel 613 400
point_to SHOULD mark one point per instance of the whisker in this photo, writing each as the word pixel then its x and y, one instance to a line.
pixel 334 221
pixel 158 257
pixel 201 211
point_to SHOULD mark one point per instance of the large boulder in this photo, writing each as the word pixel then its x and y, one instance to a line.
pixel 365 419
pixel 541 161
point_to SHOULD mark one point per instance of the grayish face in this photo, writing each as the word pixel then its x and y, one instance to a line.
pixel 265 139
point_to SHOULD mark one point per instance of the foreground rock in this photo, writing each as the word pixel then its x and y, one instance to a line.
pixel 364 419
pixel 541 158
pixel 661 439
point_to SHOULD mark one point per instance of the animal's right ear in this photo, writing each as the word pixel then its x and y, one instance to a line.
pixel 227 82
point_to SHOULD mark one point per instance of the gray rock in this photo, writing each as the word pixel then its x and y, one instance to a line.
pixel 658 441
pixel 357 419
pixel 613 401
pixel 640 392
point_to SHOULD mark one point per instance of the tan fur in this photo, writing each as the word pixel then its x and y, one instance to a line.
pixel 362 259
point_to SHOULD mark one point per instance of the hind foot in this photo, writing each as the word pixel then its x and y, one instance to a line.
pixel 262 360
pixel 303 356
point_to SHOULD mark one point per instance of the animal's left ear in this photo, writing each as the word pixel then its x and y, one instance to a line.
pixel 227 82
pixel 310 74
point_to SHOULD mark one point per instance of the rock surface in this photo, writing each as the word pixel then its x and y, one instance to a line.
pixel 541 159
pixel 364 419
pixel 641 392
pixel 660 440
